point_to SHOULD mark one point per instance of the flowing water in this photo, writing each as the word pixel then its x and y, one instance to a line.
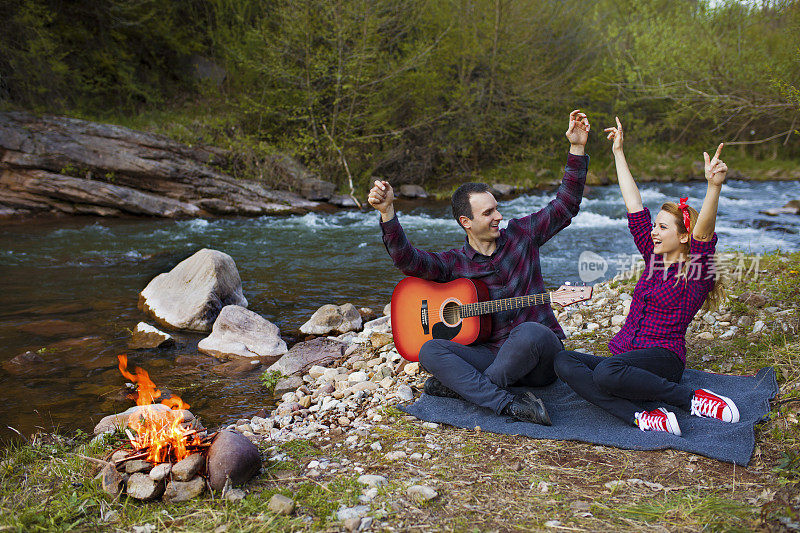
pixel 68 279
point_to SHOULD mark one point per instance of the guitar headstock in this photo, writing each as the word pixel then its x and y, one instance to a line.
pixel 571 294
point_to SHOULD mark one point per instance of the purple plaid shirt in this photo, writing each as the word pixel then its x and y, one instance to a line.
pixel 662 306
pixel 513 269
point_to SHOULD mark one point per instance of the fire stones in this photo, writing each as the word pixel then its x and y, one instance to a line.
pixel 141 487
pixel 182 491
pixel 232 456
pixel 185 469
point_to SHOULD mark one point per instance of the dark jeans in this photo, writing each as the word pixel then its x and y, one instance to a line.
pixel 614 383
pixel 480 376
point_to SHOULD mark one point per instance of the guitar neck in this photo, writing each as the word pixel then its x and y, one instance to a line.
pixel 504 304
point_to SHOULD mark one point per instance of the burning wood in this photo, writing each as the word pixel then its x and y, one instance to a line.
pixel 158 434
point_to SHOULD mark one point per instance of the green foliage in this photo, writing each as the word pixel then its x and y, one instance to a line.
pixel 424 91
pixel 270 378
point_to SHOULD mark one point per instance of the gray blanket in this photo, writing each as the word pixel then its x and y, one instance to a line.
pixel 576 419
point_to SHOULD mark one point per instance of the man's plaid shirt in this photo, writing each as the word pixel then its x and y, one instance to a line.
pixel 513 269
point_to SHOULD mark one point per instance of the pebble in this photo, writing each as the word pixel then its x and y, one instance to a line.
pixel 706 335
pixel 396 456
pixel 345 513
pixel 421 492
pixel 758 326
pixel 404 393
pixel 281 504
pixel 411 368
pixel 372 480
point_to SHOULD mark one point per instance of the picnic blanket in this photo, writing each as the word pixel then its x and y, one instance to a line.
pixel 576 419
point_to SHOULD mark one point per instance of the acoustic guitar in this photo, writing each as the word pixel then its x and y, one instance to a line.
pixel 457 310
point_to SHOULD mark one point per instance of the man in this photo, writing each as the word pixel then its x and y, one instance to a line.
pixel 523 342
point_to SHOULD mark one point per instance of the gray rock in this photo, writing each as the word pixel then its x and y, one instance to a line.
pixel 288 384
pixel 281 504
pixel 160 471
pixel 183 491
pixel 137 465
pixel 329 318
pixel 421 492
pixel 192 294
pixel 234 495
pixel 352 524
pixel 187 468
pixel 299 179
pixel 111 480
pixel 141 487
pixel 146 336
pixel 239 332
pixel 122 172
pixel 120 421
pixel 232 456
pixel 404 393
pixel 341 200
pixel 408 190
pixel 345 513
pixel 502 189
pixel 372 480
pixel 758 326
pixel 753 299
pixel 304 355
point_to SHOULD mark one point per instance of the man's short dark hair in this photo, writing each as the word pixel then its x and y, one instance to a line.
pixel 460 199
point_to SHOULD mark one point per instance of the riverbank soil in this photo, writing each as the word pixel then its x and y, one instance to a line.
pixel 484 482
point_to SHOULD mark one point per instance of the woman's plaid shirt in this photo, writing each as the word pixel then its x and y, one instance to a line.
pixel 663 306
pixel 513 269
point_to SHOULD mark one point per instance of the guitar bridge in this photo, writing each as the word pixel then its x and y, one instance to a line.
pixel 424 317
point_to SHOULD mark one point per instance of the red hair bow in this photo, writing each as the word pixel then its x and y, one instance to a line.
pixel 687 219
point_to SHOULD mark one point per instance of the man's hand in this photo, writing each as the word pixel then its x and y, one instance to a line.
pixel 615 134
pixel 716 169
pixel 577 132
pixel 381 197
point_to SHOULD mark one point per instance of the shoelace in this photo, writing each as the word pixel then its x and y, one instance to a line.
pixel 650 421
pixel 705 406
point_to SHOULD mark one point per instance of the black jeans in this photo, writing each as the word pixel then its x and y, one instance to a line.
pixel 480 376
pixel 614 383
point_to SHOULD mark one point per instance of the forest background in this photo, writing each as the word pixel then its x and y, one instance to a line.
pixel 418 91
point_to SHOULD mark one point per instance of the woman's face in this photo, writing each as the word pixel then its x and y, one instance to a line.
pixel 666 239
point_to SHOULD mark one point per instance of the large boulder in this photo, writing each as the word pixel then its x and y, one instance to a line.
pixel 329 318
pixel 239 332
pixel 191 295
pixel 409 190
pixel 233 456
pixel 304 355
pixel 64 165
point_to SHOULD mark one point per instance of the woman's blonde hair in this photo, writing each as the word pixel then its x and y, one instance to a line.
pixel 716 294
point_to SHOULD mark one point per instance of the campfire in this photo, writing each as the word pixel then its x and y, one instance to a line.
pixel 169 453
pixel 161 436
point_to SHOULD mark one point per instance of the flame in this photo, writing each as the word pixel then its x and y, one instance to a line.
pixel 159 432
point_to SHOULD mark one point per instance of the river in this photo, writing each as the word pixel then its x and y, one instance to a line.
pixel 88 272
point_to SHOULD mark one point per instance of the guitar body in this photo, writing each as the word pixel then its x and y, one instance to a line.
pixel 424 310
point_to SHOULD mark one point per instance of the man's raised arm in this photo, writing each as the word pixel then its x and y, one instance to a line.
pixel 557 214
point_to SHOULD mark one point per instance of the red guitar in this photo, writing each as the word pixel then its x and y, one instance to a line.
pixel 458 311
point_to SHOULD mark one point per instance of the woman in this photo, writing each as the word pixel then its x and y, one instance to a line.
pixel 649 352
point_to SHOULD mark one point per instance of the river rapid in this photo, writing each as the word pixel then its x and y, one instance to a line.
pixel 86 274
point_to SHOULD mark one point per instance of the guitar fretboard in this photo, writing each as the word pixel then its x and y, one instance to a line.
pixel 504 304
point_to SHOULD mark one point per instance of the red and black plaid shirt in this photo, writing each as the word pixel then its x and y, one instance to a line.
pixel 663 306
pixel 513 269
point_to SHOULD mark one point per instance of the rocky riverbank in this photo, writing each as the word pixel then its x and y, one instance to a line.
pixel 336 453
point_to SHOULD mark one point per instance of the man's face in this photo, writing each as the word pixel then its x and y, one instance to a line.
pixel 485 222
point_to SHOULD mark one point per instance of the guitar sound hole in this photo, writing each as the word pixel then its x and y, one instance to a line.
pixel 450 314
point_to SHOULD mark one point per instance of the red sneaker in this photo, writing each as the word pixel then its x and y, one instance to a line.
pixel 658 420
pixel 706 403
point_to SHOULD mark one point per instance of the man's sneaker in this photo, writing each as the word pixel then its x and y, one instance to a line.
pixel 658 420
pixel 528 408
pixel 434 387
pixel 706 403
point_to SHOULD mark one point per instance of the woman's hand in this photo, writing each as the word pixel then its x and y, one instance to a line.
pixel 716 169
pixel 615 134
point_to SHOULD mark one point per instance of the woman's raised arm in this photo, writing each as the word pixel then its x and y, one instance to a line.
pixel 716 170
pixel 630 192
